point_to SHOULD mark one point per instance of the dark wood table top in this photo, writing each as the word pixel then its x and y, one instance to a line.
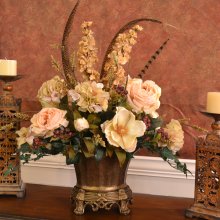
pixel 53 203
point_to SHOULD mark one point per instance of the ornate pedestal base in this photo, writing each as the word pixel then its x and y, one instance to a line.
pixel 101 199
pixel 203 214
pixel 207 188
pixel 17 190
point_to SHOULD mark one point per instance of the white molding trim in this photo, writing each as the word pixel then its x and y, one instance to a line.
pixel 148 175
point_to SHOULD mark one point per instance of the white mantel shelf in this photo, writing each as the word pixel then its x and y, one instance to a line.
pixel 148 175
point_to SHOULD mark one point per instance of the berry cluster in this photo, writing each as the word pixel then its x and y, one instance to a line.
pixel 120 90
pixel 37 142
pixel 63 133
pixel 147 122
pixel 164 135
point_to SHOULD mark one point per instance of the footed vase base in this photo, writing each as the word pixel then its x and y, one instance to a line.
pixel 81 198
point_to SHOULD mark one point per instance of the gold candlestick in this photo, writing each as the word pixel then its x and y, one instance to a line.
pixel 9 106
pixel 207 181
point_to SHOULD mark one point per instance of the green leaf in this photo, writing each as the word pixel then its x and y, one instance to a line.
pixel 25 148
pixel 129 155
pixel 93 127
pixel 99 154
pixel 155 123
pixel 167 153
pixel 93 119
pixel 87 154
pixel 10 169
pixel 57 147
pixel 121 155
pixel 89 145
pixel 109 152
pixel 7 172
pixel 25 157
pixel 76 114
pixel 71 157
pixel 75 142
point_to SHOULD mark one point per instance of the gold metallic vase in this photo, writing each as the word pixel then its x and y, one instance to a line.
pixel 101 184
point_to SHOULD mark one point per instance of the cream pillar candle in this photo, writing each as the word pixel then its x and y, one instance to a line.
pixel 8 67
pixel 213 102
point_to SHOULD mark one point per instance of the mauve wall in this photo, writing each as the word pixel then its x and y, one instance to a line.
pixel 186 70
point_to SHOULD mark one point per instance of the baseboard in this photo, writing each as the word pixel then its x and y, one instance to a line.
pixel 147 175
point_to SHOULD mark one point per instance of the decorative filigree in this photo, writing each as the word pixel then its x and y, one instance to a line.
pixel 101 200
pixel 208 174
pixel 207 190
pixel 8 146
pixel 9 122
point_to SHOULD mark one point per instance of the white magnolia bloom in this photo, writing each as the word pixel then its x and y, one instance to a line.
pixel 123 130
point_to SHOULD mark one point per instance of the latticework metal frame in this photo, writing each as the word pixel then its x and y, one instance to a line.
pixel 9 107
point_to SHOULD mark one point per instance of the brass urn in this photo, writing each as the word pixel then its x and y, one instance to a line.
pixel 101 184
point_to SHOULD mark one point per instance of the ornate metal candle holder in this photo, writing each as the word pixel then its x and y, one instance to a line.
pixel 9 110
pixel 207 181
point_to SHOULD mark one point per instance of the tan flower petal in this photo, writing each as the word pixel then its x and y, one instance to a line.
pixel 129 143
pixel 123 116
pixel 136 128
pixel 123 130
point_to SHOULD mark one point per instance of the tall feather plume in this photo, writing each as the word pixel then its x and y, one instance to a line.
pixel 68 70
pixel 152 58
pixel 123 29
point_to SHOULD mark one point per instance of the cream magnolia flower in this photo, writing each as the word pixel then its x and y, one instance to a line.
pixel 175 134
pixel 24 135
pixel 51 92
pixel 81 124
pixel 92 97
pixel 123 130
pixel 47 120
pixel 143 96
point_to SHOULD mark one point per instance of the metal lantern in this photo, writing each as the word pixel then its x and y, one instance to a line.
pixel 11 182
pixel 207 181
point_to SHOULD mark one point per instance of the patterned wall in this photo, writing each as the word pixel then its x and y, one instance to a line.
pixel 186 70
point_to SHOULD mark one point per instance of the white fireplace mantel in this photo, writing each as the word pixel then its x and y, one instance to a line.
pixel 148 175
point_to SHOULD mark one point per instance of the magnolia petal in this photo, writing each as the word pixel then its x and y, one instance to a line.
pixel 117 138
pixel 122 117
pixel 129 143
pixel 111 140
pixel 136 128
pixel 107 129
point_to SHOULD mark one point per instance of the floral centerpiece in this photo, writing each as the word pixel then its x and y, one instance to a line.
pixel 106 114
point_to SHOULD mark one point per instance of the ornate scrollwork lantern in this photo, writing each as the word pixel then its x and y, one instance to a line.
pixel 207 181
pixel 11 182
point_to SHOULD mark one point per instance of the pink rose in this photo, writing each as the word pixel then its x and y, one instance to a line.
pixel 47 120
pixel 143 96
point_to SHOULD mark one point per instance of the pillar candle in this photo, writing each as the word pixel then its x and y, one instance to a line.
pixel 8 67
pixel 213 102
